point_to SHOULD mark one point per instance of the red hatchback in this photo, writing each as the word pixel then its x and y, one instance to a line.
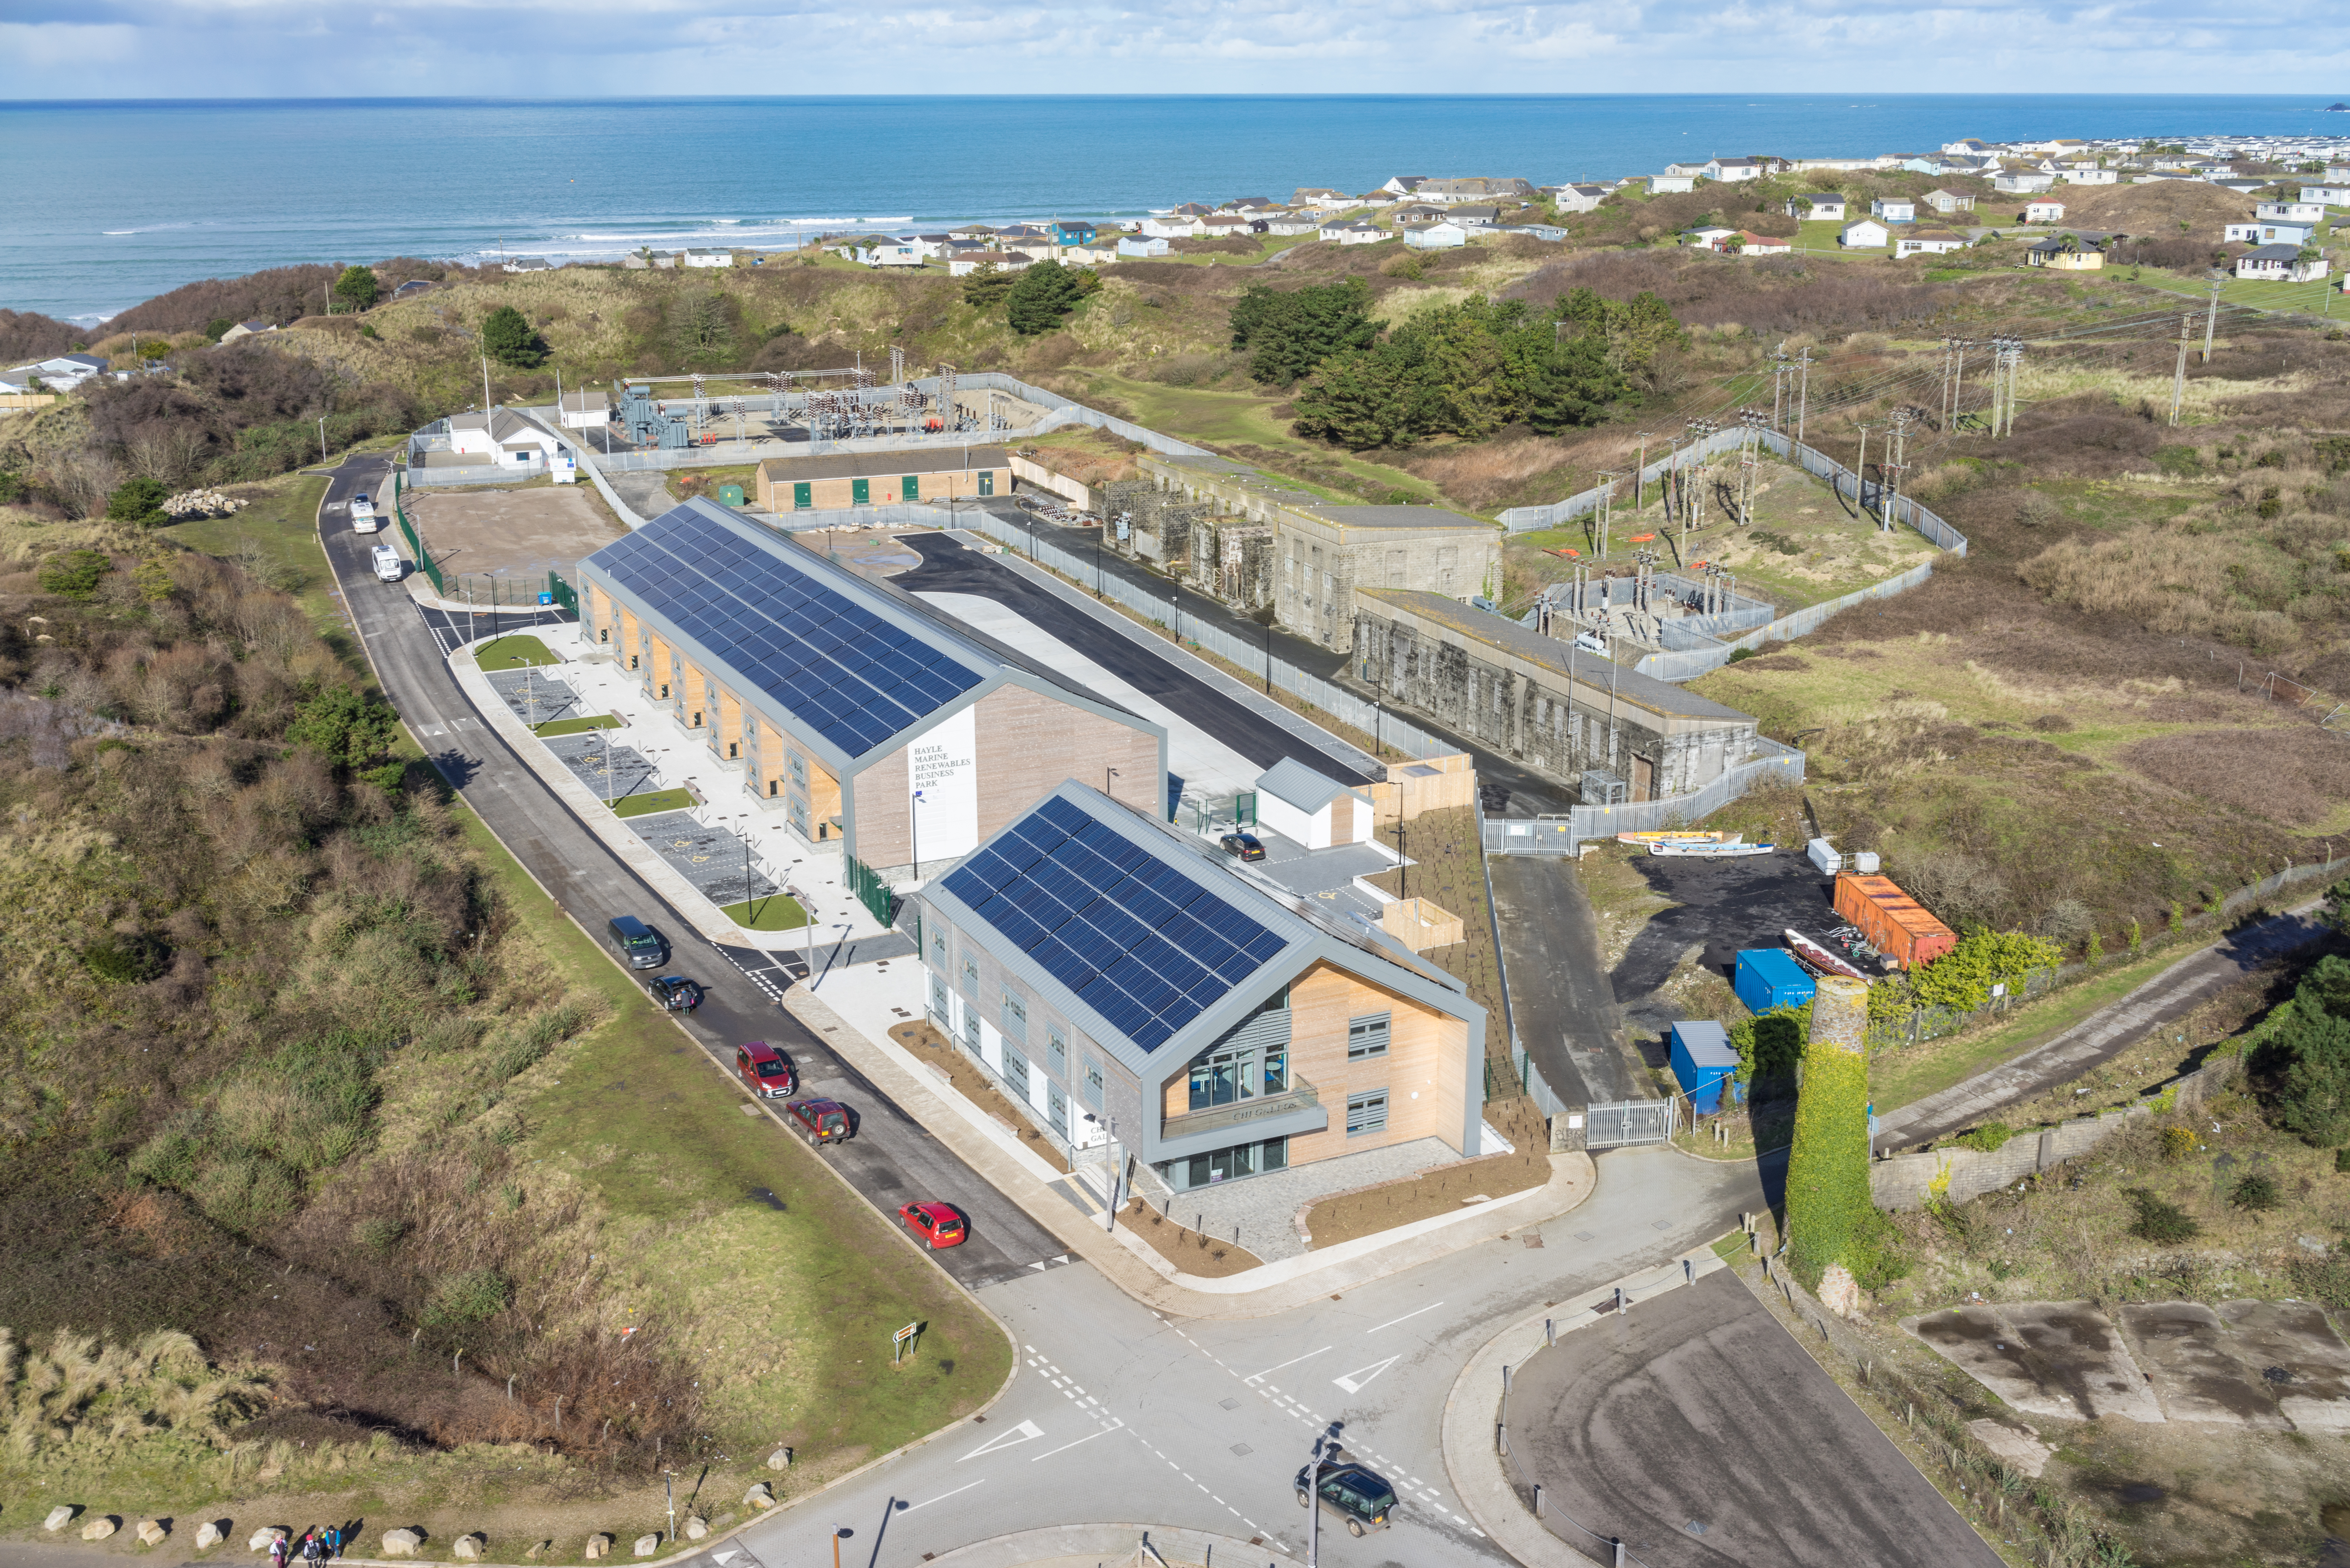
pixel 933 1222
pixel 766 1071
pixel 818 1121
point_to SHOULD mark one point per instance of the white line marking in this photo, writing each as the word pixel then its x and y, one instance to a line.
pixel 1088 1437
pixel 1024 1432
pixel 942 1496
pixel 1405 1318
pixel 1291 1361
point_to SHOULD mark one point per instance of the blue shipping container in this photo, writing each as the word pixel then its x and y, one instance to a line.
pixel 1705 1063
pixel 1769 978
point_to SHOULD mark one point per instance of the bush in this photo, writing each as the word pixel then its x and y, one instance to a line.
pixel 1989 1137
pixel 510 340
pixel 378 1234
pixel 357 289
pixel 344 727
pixel 139 502
pixel 75 573
pixel 1042 296
pixel 2341 1162
pixel 475 1295
pixel 1961 978
pixel 2308 1056
pixel 2256 1193
pixel 123 960
pixel 2324 1278
pixel 2162 1222
pixel 2179 1143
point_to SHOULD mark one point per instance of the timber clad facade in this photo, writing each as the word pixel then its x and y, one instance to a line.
pixel 835 697
pixel 882 478
pixel 1320 1042
pixel 1536 699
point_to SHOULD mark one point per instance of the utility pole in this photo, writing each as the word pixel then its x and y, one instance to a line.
pixel 2211 317
pixel 1860 471
pixel 2178 379
pixel 1639 475
pixel 1749 458
pixel 485 384
pixel 1901 418
pixel 1608 478
pixel 1693 513
pixel 1802 391
pixel 1778 377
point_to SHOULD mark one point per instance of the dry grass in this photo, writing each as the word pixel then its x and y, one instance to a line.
pixel 1446 1190
pixel 2298 776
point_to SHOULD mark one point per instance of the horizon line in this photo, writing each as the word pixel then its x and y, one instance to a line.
pixel 346 99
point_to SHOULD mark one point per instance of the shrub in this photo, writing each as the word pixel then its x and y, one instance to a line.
pixel 1961 978
pixel 123 960
pixel 2256 1193
pixel 139 502
pixel 74 573
pixel 2160 1222
pixel 474 1296
pixel 344 727
pixel 2311 1045
pixel 1989 1137
pixel 1829 1201
pixel 2179 1143
pixel 1736 654
pixel 1042 296
pixel 378 1234
pixel 510 340
pixel 2324 1278
pixel 2341 1162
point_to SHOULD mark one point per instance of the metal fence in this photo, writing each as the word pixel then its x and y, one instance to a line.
pixel 1369 717
pixel 1628 1123
pixel 1686 664
pixel 1559 834
pixel 485 474
pixel 425 560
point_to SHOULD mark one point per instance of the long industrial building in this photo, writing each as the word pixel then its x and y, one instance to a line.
pixel 1576 716
pixel 839 698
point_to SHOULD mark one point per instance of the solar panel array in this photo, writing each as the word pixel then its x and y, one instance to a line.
pixel 853 677
pixel 1142 944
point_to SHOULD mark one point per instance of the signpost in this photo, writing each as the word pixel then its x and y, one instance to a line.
pixel 899 1341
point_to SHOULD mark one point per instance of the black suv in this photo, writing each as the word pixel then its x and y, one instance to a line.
pixel 1360 1499
pixel 639 949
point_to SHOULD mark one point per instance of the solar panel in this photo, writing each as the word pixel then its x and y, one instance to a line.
pixel 830 660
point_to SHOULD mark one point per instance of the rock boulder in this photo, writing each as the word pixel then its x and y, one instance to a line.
pixel 597 1545
pixel 260 1539
pixel 211 1533
pixel 648 1544
pixel 98 1529
pixel 61 1516
pixel 151 1532
pixel 696 1527
pixel 402 1543
pixel 760 1496
pixel 469 1547
pixel 781 1460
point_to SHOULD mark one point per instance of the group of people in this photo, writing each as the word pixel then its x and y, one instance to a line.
pixel 315 1547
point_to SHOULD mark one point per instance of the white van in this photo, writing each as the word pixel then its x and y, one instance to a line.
pixel 363 517
pixel 387 565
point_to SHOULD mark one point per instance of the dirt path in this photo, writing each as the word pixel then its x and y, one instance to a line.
pixel 2106 1032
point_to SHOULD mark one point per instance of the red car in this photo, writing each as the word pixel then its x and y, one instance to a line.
pixel 933 1222
pixel 765 1070
pixel 818 1121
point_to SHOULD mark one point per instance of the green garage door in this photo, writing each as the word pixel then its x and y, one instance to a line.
pixel 910 488
pixel 987 482
pixel 803 496
pixel 861 490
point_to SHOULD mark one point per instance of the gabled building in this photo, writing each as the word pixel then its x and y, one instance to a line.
pixel 2022 182
pixel 1669 184
pixel 1866 234
pixel 1893 210
pixel 2064 252
pixel 1928 243
pixel 1948 202
pixel 1819 206
pixel 837 698
pixel 501 436
pixel 2279 263
pixel 2043 212
pixel 1577 198
pixel 2091 175
pixel 1119 979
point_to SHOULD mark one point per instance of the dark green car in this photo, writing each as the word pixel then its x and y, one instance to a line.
pixel 1360 1499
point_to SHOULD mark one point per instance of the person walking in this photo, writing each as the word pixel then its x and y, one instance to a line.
pixel 314 1551
pixel 334 1540
pixel 277 1551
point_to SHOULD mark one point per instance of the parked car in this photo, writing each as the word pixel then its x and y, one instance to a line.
pixel 673 991
pixel 1245 846
pixel 935 1224
pixel 1361 1498
pixel 818 1121
pixel 766 1072
pixel 363 516
pixel 639 949
pixel 385 562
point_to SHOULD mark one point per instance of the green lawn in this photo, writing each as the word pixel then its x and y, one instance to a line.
pixel 777 913
pixel 1273 245
pixel 576 726
pixel 514 652
pixel 802 1301
pixel 1897 1077
pixel 2314 298
pixel 1217 417
pixel 654 801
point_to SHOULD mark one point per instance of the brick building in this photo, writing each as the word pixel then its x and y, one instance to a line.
pixel 1540 699
pixel 1255 540
pixel 878 478
pixel 1109 971
pixel 838 697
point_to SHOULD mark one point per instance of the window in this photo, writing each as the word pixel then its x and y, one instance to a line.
pixel 971 977
pixel 939 998
pixel 1057 1109
pixel 799 768
pixel 1367 1037
pixel 971 1029
pixel 1225 1075
pixel 939 949
pixel 1091 1087
pixel 986 482
pixel 1225 1164
pixel 1056 1050
pixel 1016 1071
pixel 1016 1018
pixel 1367 1112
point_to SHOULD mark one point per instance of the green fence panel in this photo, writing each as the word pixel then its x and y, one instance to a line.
pixel 562 593
pixel 425 560
pixel 872 892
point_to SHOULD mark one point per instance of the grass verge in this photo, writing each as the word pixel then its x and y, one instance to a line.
pixel 276 538
pixel 576 726
pixel 514 652
pixel 652 802
pixel 778 913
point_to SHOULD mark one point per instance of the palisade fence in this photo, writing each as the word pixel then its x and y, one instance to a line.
pixel 1371 718
pixel 1683 664
pixel 425 560
pixel 1558 835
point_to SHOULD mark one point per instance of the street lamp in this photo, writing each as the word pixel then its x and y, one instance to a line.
pixel 1324 1457
pixel 1107 774
pixel 1109 1220
pixel 840 1533
pixel 914 826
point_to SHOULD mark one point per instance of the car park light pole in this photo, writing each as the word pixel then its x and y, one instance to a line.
pixel 1325 1454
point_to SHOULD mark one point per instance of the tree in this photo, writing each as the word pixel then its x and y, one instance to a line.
pixel 1293 331
pixel 510 340
pixel 1573 385
pixel 1371 398
pixel 218 327
pixel 2312 1045
pixel 1961 978
pixel 343 727
pixel 1042 298
pixel 139 502
pixel 357 288
pixel 701 326
pixel 986 286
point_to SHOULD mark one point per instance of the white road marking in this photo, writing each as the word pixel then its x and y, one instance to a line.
pixel 1291 1361
pixel 1405 1318
pixel 1088 1437
pixel 942 1496
pixel 1025 1431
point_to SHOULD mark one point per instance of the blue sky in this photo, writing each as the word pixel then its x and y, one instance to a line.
pixel 264 48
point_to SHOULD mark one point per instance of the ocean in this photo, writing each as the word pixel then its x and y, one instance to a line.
pixel 105 204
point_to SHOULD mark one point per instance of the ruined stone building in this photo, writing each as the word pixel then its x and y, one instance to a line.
pixel 1576 716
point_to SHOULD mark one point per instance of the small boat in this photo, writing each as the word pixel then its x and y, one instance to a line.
pixel 1670 836
pixel 1820 960
pixel 1710 851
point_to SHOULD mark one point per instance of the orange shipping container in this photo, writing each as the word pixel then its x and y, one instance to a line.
pixel 1896 924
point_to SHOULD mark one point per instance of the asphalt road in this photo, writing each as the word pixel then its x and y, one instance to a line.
pixel 946 567
pixel 1673 1426
pixel 1560 996
pixel 892 1160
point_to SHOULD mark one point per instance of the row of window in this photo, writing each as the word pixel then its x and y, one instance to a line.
pixel 1365 1113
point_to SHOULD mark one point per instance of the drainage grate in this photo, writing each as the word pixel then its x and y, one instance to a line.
pixel 1662 1225
pixel 1242 1451
pixel 1585 1236
pixel 1230 1404
pixel 1694 1528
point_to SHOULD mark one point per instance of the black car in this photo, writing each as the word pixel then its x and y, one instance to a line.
pixel 1244 844
pixel 639 949
pixel 673 991
pixel 1361 1498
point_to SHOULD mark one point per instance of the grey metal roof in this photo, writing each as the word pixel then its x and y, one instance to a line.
pixel 2271 252
pixel 1393 516
pixel 1292 781
pixel 1076 898
pixel 868 464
